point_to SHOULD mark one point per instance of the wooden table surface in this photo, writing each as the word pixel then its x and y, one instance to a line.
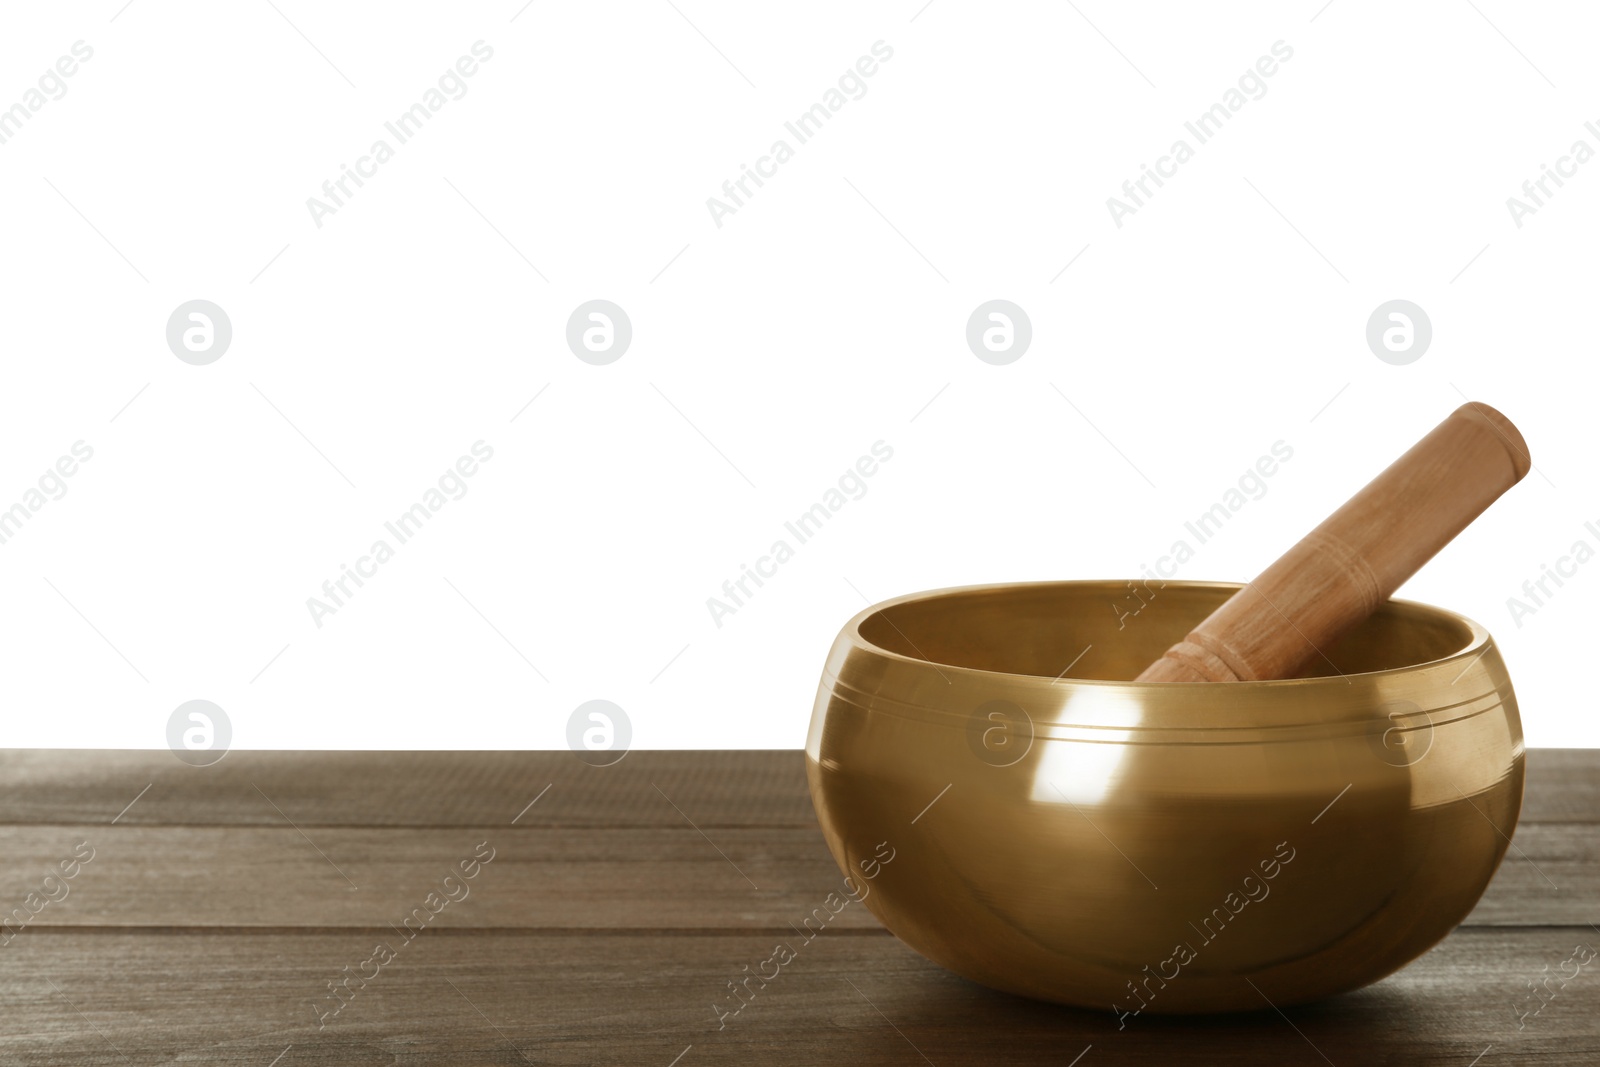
pixel 208 910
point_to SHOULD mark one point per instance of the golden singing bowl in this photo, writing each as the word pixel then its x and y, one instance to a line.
pixel 1158 848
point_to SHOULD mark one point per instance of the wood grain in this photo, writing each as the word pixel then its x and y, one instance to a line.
pixel 558 879
pixel 763 788
pixel 539 878
pixel 118 998
pixel 210 921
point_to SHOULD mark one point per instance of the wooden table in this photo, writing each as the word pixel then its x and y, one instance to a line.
pixel 615 905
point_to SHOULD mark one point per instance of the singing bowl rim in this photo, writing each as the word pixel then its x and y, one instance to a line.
pixel 1425 694
pixel 1479 640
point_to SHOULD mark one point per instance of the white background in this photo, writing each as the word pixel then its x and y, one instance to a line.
pixel 827 314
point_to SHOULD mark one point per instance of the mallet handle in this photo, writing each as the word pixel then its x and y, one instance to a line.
pixel 1340 572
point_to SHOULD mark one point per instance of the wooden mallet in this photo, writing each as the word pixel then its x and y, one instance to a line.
pixel 1340 572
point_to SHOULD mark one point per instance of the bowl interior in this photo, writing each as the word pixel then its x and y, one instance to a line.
pixel 1028 629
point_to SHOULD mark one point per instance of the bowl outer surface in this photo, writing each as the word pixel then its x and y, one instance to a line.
pixel 1145 847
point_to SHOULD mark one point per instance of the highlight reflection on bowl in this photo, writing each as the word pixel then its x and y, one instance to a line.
pixel 1078 837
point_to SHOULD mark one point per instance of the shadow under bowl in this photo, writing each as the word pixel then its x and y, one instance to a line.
pixel 1009 803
